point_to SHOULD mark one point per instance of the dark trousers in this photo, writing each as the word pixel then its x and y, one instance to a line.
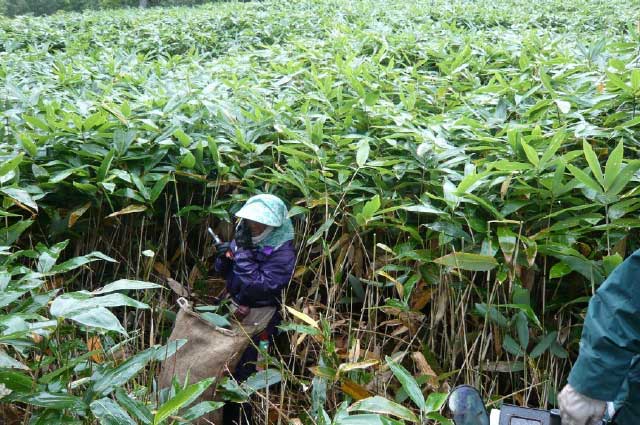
pixel 241 413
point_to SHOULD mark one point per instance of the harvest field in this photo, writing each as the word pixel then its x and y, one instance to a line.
pixel 462 176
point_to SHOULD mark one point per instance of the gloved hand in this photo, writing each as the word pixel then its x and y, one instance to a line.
pixel 243 235
pixel 222 248
pixel 578 409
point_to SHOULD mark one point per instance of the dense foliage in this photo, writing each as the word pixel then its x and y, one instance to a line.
pixel 48 7
pixel 463 175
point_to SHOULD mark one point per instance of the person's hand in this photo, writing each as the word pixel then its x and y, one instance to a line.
pixel 222 248
pixel 578 409
pixel 243 235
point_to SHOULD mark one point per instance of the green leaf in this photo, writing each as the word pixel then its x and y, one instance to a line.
pixel 384 406
pixel 76 262
pixel 531 153
pixel 468 261
pixel 362 152
pixel 53 401
pixel 260 380
pixel 8 235
pixel 610 262
pixel 492 314
pixel 508 242
pixel 553 147
pixel 624 177
pixel 216 319
pixel 318 234
pixel 21 196
pixel 135 407
pixel 15 381
pixel 614 164
pixel 427 209
pixel 126 284
pixel 371 207
pixel 108 412
pixel 543 345
pixel 105 165
pixel 182 399
pixel 593 162
pixel 8 362
pixel 99 318
pixel 584 178
pixel 522 328
pixel 408 383
pixel 201 409
pixel 510 345
pixel 435 401
pixel 107 378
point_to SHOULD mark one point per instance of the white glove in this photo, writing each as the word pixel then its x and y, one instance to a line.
pixel 578 409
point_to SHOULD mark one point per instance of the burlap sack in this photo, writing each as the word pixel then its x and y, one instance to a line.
pixel 210 350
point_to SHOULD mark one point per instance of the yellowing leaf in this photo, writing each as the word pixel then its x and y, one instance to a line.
pixel 305 318
pixel 356 391
pixel 346 367
pixel 134 208
pixel 94 344
pixel 77 213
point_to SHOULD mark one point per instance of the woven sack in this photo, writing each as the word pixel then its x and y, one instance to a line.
pixel 210 351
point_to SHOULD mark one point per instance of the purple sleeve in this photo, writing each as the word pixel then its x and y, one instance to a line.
pixel 263 280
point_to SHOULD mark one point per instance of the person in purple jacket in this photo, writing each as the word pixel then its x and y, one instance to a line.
pixel 257 265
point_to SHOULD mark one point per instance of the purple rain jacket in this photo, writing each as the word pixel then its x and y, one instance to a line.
pixel 256 277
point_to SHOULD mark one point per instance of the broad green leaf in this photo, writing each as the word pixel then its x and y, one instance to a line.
pixel 610 262
pixel 362 152
pixel 70 304
pixel 126 284
pixel 593 162
pixel 492 314
pixel 261 380
pixel 468 261
pixel 584 178
pixel 106 378
pixel 98 318
pixel 371 207
pixel 624 177
pixel 53 401
pixel 8 362
pixel 8 235
pixel 108 412
pixel 553 147
pixel 384 406
pixel 543 345
pixel 522 328
pixel 16 381
pixel 21 196
pixel 216 319
pixel 423 208
pixel 512 346
pixel 102 171
pixel 531 153
pixel 201 409
pixel 320 232
pixel 435 401
pixel 182 399
pixel 408 383
pixel 76 262
pixel 614 164
pixel 508 242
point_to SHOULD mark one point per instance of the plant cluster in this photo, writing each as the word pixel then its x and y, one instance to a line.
pixel 462 175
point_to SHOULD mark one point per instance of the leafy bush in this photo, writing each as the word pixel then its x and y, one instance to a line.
pixel 463 175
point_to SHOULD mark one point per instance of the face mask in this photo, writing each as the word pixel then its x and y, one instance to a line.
pixel 262 236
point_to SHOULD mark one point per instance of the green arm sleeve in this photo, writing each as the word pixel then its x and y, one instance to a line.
pixel 611 334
